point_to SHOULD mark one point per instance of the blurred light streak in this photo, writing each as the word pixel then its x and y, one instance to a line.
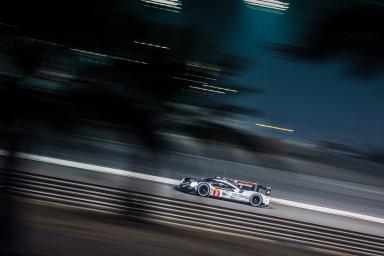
pixel 275 127
pixel 204 89
pixel 152 45
pixel 204 77
pixel 46 42
pixel 8 25
pixel 204 66
pixel 164 9
pixel 204 84
pixel 172 3
pixel 220 88
pixel 107 56
pixel 168 5
pixel 188 80
pixel 269 4
pixel 87 52
pixel 130 60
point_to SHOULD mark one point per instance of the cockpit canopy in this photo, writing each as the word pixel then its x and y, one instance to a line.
pixel 226 183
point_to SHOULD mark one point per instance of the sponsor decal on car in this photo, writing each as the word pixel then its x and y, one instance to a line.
pixel 216 192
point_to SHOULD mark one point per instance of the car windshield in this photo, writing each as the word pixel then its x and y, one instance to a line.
pixel 231 181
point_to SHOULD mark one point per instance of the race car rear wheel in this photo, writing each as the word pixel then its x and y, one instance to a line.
pixel 255 200
pixel 203 189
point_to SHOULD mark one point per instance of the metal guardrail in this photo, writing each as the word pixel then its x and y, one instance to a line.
pixel 158 208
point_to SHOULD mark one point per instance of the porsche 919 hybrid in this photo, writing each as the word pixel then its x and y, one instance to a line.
pixel 224 188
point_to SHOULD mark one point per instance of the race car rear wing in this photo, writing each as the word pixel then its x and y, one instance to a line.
pixel 255 187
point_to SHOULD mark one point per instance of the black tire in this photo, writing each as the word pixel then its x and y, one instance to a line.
pixel 203 189
pixel 255 200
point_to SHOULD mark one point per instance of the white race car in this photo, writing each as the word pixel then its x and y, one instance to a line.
pixel 234 190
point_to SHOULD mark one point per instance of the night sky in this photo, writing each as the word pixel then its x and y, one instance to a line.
pixel 321 101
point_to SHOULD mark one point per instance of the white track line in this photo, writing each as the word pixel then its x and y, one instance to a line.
pixel 97 168
pixel 137 175
pixel 327 210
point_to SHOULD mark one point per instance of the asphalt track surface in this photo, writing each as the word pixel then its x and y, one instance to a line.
pixel 118 181
pixel 295 186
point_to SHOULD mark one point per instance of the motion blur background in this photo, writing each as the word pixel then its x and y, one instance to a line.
pixel 200 88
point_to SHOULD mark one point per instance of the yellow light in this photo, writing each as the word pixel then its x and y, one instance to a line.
pixel 274 127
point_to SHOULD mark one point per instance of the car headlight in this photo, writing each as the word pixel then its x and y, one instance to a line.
pixel 182 180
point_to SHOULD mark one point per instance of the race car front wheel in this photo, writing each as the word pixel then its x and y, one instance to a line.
pixel 203 189
pixel 255 200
